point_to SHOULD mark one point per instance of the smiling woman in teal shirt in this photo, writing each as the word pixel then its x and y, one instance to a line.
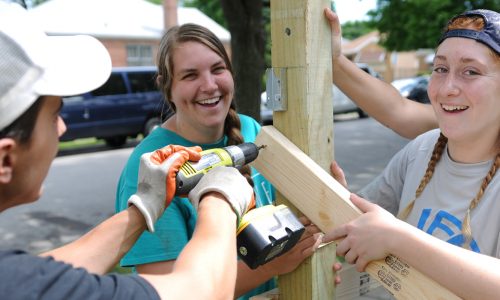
pixel 195 76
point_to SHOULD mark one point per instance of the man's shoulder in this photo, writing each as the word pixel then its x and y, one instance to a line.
pixel 17 256
pixel 24 276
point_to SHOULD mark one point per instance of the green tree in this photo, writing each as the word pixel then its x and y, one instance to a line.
pixel 352 30
pixel 415 24
pixel 211 8
pixel 248 44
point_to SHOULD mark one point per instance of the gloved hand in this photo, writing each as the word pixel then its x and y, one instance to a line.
pixel 156 182
pixel 229 182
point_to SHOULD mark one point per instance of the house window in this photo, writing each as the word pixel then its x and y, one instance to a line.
pixel 139 55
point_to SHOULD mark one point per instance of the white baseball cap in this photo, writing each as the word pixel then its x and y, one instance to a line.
pixel 33 64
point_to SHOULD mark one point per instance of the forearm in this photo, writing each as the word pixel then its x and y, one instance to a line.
pixel 208 260
pixel 468 274
pixel 382 101
pixel 100 249
pixel 249 279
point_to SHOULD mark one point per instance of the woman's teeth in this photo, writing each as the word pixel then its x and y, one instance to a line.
pixel 454 107
pixel 209 101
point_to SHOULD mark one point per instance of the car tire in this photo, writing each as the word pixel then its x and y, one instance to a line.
pixel 151 125
pixel 362 114
pixel 116 141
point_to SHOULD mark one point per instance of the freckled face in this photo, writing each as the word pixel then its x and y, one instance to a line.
pixel 464 90
pixel 202 87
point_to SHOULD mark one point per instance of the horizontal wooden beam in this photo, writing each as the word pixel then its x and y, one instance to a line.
pixel 326 203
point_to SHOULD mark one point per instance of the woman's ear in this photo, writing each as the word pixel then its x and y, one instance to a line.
pixel 159 79
pixel 7 159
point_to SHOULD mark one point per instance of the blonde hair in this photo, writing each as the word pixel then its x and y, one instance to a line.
pixel 164 60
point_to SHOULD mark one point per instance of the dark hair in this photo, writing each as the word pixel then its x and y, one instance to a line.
pixel 22 128
pixel 164 60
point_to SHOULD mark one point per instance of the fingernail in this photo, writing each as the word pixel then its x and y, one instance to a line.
pixel 319 240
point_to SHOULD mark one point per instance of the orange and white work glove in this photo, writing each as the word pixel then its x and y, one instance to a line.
pixel 156 182
pixel 229 182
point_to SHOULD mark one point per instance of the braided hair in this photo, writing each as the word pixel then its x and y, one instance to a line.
pixel 435 157
pixel 473 23
pixel 164 60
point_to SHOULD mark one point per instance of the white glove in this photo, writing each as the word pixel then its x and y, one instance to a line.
pixel 229 182
pixel 156 182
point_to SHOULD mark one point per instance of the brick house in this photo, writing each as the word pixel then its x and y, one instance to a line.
pixel 129 29
pixel 391 65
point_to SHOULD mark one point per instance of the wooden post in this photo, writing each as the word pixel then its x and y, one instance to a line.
pixel 301 46
pixel 301 56
pixel 328 206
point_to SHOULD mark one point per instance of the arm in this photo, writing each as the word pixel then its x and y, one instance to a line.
pixel 377 233
pixel 208 260
pixel 468 274
pixel 101 248
pixel 379 99
pixel 248 279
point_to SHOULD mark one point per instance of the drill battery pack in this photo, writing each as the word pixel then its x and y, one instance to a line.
pixel 267 232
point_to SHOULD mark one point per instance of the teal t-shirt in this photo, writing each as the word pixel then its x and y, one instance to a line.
pixel 176 226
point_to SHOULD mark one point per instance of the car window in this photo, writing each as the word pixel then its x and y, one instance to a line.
pixel 370 71
pixel 114 86
pixel 74 98
pixel 142 82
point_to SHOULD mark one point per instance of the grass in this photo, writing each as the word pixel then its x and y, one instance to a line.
pixel 80 143
pixel 88 142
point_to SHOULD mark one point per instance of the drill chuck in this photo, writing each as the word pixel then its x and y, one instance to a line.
pixel 236 156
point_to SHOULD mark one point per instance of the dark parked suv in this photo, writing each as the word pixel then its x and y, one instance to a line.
pixel 126 105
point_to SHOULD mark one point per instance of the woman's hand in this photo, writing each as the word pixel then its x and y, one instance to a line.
pixel 336 269
pixel 338 173
pixel 305 247
pixel 366 238
pixel 333 19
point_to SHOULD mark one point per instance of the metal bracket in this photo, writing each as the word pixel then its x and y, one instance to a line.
pixel 276 89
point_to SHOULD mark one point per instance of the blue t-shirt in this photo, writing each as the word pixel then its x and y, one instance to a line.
pixel 25 276
pixel 176 226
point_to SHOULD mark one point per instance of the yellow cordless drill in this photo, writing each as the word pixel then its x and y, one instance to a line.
pixel 264 232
